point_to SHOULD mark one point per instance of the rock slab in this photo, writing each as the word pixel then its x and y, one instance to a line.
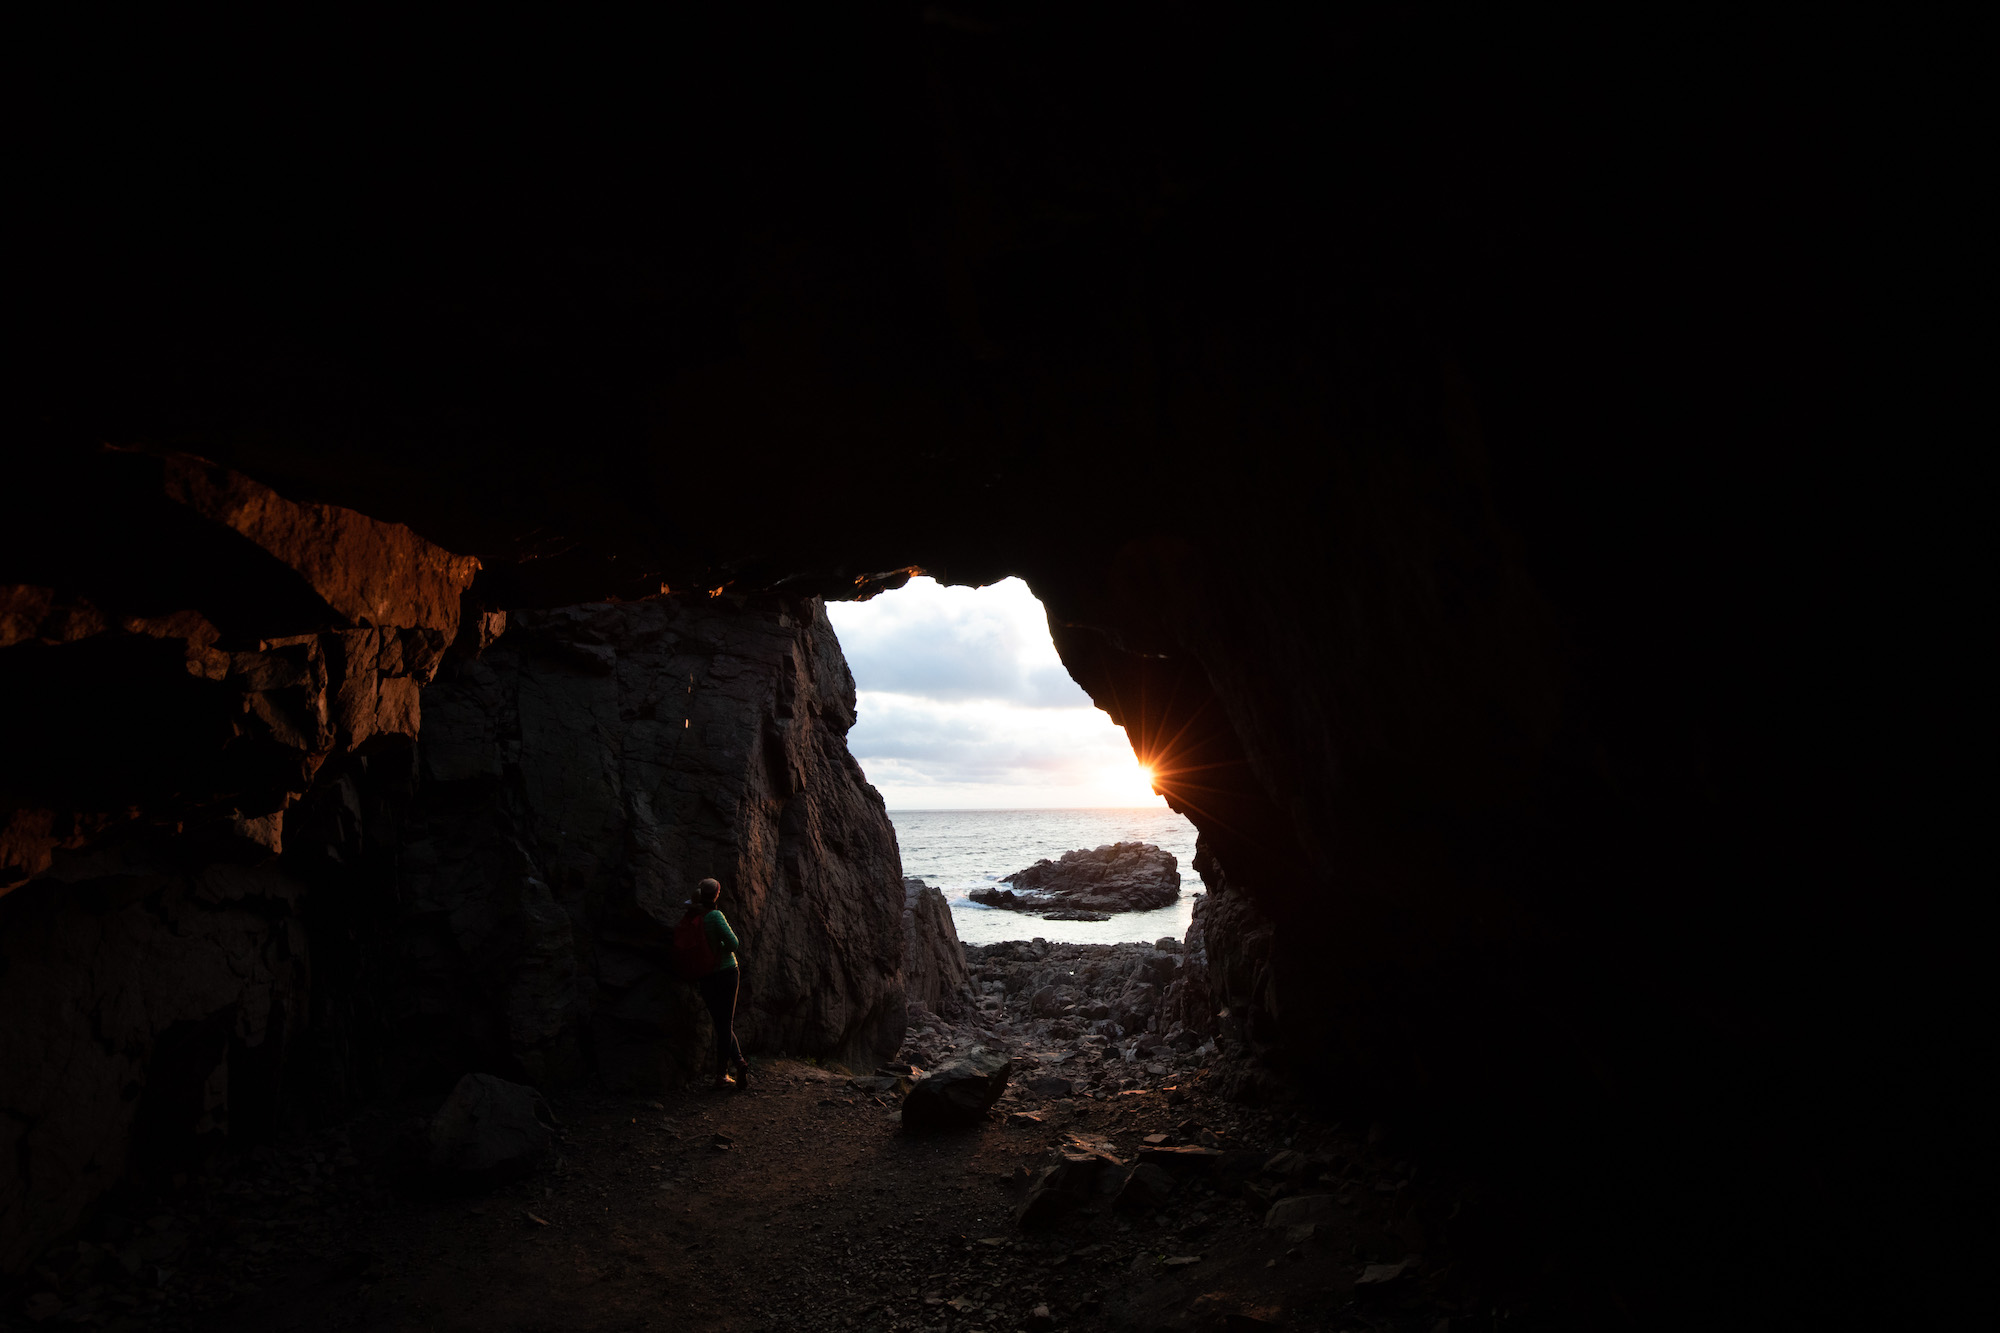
pixel 488 1131
pixel 957 1093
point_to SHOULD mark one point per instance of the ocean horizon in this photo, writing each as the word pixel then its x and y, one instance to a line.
pixel 959 850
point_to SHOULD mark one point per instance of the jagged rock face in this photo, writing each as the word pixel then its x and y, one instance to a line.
pixel 934 972
pixel 1118 877
pixel 191 692
pixel 583 775
pixel 1227 986
pixel 190 653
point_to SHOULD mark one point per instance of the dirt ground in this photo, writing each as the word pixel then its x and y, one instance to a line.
pixel 799 1203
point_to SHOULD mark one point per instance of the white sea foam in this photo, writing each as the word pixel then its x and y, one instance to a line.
pixel 962 850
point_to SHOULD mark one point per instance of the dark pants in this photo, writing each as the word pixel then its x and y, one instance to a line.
pixel 718 992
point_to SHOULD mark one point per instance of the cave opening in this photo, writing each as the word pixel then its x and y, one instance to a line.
pixel 990 758
pixel 1420 425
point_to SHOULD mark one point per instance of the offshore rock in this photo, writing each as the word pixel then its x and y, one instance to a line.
pixel 957 1093
pixel 1119 877
pixel 934 971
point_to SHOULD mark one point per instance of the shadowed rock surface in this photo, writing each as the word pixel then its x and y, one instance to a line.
pixel 1118 877
pixel 500 898
pixel 958 1093
pixel 580 778
pixel 934 973
pixel 177 703
pixel 148 1017
pixel 488 1132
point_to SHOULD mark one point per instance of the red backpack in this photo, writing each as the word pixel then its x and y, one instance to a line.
pixel 693 958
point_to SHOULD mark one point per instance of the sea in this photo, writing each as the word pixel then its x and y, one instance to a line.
pixel 962 850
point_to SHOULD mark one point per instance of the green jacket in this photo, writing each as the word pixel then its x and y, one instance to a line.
pixel 721 939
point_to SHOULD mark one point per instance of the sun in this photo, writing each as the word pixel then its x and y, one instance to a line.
pixel 1127 784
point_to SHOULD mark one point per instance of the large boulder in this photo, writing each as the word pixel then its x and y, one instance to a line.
pixel 581 775
pixel 487 1132
pixel 934 971
pixel 1118 877
pixel 1058 1188
pixel 958 1092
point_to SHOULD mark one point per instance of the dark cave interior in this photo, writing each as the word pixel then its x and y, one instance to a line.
pixel 1466 346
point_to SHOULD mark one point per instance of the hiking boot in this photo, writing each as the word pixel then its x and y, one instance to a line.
pixel 723 1083
pixel 742 1074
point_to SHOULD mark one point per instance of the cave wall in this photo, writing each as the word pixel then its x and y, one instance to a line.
pixel 148 1017
pixel 242 889
pixel 172 707
pixel 1407 424
pixel 577 779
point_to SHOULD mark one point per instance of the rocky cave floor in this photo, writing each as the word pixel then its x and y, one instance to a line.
pixel 801 1203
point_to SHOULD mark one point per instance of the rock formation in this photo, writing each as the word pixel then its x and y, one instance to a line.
pixel 934 974
pixel 498 899
pixel 190 697
pixel 154 975
pixel 1118 877
pixel 579 778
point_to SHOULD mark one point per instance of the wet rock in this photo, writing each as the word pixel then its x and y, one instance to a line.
pixel 957 1093
pixel 1119 877
pixel 487 1132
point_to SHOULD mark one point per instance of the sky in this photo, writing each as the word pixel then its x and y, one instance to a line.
pixel 964 705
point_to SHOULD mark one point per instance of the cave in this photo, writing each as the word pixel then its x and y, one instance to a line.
pixel 1393 417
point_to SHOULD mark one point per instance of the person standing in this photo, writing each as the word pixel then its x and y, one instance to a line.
pixel 718 986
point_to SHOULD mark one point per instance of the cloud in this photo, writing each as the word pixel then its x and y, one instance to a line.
pixel 941 643
pixel 964 704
